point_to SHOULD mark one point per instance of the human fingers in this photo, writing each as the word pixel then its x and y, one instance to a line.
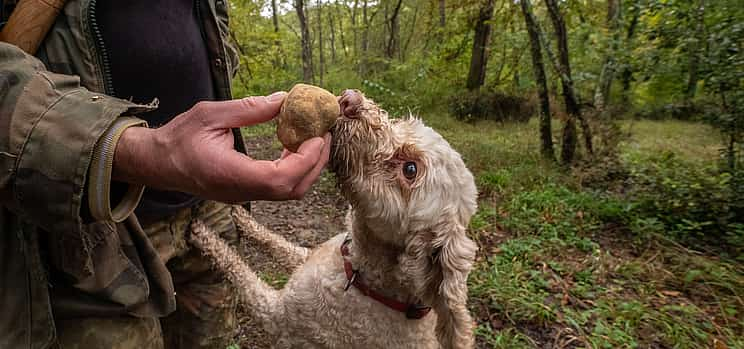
pixel 241 112
pixel 312 176
pixel 270 180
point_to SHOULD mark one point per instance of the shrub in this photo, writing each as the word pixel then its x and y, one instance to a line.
pixel 694 203
pixel 491 105
pixel 397 104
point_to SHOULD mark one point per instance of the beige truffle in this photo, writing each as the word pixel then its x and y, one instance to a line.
pixel 308 111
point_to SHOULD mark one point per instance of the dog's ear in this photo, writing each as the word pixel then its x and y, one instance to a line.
pixel 438 261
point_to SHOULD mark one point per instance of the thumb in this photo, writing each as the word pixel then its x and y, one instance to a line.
pixel 246 111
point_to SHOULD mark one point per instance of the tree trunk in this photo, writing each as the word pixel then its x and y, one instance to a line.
pixel 695 53
pixel 479 58
pixel 365 40
pixel 339 18
pixel 274 16
pixel 442 19
pixel 393 44
pixel 412 32
pixel 332 27
pixel 355 29
pixel 569 95
pixel 538 68
pixel 307 52
pixel 321 54
pixel 627 74
pixel 607 74
pixel 279 59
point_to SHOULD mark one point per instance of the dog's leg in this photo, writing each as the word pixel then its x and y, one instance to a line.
pixel 287 253
pixel 263 300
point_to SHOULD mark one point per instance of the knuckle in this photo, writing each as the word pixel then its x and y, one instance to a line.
pixel 201 107
pixel 251 102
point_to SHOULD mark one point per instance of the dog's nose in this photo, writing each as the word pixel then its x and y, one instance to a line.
pixel 350 102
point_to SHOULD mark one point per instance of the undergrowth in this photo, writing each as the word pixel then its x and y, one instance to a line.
pixel 649 256
pixel 564 264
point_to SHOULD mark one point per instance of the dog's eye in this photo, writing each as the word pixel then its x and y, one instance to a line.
pixel 409 170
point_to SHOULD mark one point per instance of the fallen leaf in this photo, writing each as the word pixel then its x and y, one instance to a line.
pixel 719 344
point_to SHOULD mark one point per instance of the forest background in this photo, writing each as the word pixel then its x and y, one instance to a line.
pixel 605 137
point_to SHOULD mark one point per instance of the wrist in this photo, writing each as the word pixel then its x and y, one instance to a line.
pixel 132 156
pixel 103 205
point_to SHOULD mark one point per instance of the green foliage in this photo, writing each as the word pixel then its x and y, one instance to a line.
pixel 275 279
pixel 506 339
pixel 691 203
pixel 676 111
pixel 491 105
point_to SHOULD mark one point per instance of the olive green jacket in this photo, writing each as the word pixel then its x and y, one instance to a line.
pixel 61 248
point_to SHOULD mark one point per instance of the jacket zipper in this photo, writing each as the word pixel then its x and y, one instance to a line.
pixel 108 83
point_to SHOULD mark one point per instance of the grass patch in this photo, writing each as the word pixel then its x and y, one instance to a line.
pixel 692 141
pixel 561 264
pixel 274 278
pixel 259 130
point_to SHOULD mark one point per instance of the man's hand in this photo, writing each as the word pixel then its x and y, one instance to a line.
pixel 194 153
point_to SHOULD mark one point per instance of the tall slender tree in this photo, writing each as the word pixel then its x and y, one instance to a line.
pixel 275 16
pixel 393 43
pixel 627 73
pixel 607 74
pixel 442 14
pixel 307 52
pixel 546 136
pixel 695 52
pixel 479 58
pixel 569 94
pixel 321 53
pixel 411 32
pixel 355 29
pixel 332 29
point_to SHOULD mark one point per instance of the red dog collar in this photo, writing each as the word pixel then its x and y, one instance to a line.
pixel 412 311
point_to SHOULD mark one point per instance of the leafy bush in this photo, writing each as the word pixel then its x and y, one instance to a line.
pixel 491 105
pixel 676 111
pixel 694 204
pixel 397 104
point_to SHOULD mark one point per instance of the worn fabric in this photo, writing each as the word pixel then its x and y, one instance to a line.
pixel 206 313
pixel 110 333
pixel 53 110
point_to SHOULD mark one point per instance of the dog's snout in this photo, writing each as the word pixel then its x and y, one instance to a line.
pixel 350 102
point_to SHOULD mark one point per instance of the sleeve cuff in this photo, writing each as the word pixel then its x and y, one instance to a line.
pixel 99 176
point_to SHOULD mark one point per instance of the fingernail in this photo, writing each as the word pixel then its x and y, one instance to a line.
pixel 277 96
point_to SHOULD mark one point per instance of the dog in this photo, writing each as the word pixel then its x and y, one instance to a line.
pixel 398 277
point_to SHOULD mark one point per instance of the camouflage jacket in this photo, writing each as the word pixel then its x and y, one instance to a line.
pixel 54 111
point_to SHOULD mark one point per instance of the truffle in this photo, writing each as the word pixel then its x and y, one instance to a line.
pixel 308 111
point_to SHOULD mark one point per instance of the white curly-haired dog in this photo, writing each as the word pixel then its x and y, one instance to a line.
pixel 407 251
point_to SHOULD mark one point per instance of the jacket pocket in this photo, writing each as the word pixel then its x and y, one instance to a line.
pixel 101 261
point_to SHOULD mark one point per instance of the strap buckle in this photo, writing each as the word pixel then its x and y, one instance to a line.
pixel 417 311
pixel 351 280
